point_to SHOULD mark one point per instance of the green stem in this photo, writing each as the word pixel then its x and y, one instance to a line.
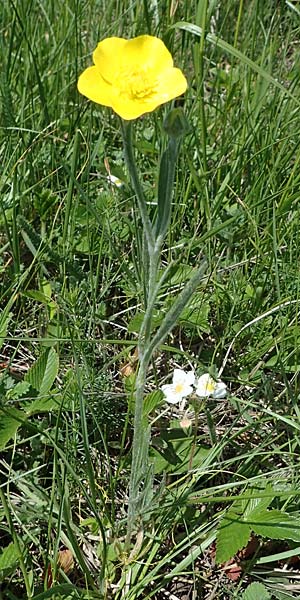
pixel 140 446
pixel 202 89
pixel 16 543
pixel 238 22
pixel 131 166
pixel 165 190
pixel 140 485
pixel 152 290
pixel 69 198
pixel 174 312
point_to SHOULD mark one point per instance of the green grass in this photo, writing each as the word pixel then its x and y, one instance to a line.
pixel 72 272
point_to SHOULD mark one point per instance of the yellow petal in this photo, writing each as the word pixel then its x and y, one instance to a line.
pixel 170 84
pixel 147 53
pixel 93 86
pixel 132 76
pixel 108 56
pixel 131 109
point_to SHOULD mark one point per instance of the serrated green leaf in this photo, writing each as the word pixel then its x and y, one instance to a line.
pixel 8 560
pixel 257 502
pixel 44 404
pixel 233 534
pixel 43 372
pixel 276 525
pixel 256 591
pixel 10 421
pixel 236 525
pixel 18 390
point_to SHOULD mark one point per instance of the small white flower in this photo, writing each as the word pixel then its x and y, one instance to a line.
pixel 180 387
pixel 207 387
pixel 115 181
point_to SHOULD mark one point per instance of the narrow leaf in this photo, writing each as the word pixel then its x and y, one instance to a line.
pixel 228 48
pixel 180 303
pixel 4 321
pixel 5 317
pixel 165 188
pixel 67 591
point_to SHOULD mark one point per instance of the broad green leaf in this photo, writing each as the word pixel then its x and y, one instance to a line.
pixel 256 591
pixel 8 560
pixel 135 323
pixel 233 534
pixel 196 314
pixel 151 401
pixel 43 404
pixel 10 421
pixel 175 452
pixel 37 295
pixel 256 503
pixel 275 524
pixel 18 390
pixel 43 372
pixel 235 528
pixel 251 514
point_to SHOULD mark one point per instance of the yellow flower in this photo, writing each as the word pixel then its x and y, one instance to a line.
pixel 132 76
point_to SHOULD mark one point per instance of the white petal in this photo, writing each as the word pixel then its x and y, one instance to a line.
pixel 181 380
pixel 202 391
pixel 115 180
pixel 179 376
pixel 167 388
pixel 205 379
pixel 220 390
pixel 187 390
pixel 190 377
pixel 170 394
pixel 205 386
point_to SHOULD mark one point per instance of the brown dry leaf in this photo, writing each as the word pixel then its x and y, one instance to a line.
pixel 65 560
pixel 232 571
pixel 129 368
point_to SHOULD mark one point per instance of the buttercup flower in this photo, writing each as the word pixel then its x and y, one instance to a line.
pixel 180 387
pixel 132 76
pixel 207 387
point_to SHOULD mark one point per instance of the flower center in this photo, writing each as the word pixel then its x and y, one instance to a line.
pixel 178 388
pixel 210 386
pixel 136 84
